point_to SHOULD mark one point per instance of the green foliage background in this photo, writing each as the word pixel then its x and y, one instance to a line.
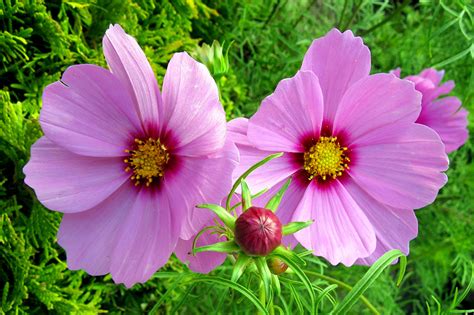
pixel 40 39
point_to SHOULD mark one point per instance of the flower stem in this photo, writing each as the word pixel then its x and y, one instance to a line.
pixel 369 305
pixel 262 295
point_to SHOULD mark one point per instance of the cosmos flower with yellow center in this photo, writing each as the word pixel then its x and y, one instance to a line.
pixel 126 163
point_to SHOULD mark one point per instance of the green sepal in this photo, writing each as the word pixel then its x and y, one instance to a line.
pixel 240 266
pixel 198 235
pixel 261 192
pixel 294 227
pixel 246 196
pixel 273 203
pixel 221 247
pixel 247 172
pixel 265 273
pixel 226 217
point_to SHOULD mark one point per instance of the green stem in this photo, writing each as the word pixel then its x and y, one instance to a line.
pixel 369 305
pixel 397 11
pixel 272 309
pixel 354 13
pixel 339 23
pixel 262 295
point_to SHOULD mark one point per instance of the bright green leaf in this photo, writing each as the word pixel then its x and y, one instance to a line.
pixel 370 276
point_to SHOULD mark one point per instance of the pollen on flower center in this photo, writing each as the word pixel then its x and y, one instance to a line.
pixel 326 159
pixel 147 161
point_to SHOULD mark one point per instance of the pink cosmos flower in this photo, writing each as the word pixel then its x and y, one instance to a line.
pixel 360 164
pixel 443 115
pixel 127 164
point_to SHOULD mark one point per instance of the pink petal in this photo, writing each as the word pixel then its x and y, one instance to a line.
pixel 396 72
pixel 237 131
pixel 447 120
pixel 377 101
pixel 291 198
pixel 147 237
pixel 341 231
pixel 203 262
pixel 338 60
pixel 403 168
pixel 89 112
pixel 128 63
pixel 198 180
pixel 433 75
pixel 192 113
pixel 90 237
pixel 288 116
pixel 431 94
pixel 287 207
pixel 266 176
pixel 394 228
pixel 66 182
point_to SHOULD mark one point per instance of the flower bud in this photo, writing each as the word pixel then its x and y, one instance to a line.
pixel 258 231
pixel 277 266
pixel 214 57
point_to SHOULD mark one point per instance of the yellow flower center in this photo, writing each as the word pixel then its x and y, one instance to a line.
pixel 326 159
pixel 147 161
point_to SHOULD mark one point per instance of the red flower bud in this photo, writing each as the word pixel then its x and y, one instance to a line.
pixel 258 231
pixel 277 266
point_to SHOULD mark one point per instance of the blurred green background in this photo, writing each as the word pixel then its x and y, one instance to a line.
pixel 268 38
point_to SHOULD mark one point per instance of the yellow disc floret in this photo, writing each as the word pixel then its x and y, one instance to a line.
pixel 147 161
pixel 326 159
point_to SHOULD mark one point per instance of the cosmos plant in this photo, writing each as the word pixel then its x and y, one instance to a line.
pixel 335 160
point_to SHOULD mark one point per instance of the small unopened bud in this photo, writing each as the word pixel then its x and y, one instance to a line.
pixel 277 266
pixel 258 231
pixel 214 57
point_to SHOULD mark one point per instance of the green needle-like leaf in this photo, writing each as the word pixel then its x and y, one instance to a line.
pixel 288 259
pixel 240 266
pixel 294 227
pixel 273 203
pixel 370 276
pixel 221 247
pixel 250 170
pixel 237 287
pixel 291 255
pixel 226 217
pixel 325 293
pixel 246 196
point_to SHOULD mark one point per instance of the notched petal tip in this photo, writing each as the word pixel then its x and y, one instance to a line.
pixel 115 28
